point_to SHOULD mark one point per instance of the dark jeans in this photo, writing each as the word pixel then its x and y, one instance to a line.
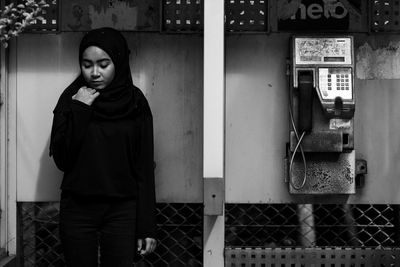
pixel 89 225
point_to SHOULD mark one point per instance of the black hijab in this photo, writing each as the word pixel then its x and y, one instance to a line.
pixel 117 100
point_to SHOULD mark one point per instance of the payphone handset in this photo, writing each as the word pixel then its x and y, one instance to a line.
pixel 329 60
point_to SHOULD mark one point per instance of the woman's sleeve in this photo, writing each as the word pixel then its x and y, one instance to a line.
pixel 146 206
pixel 67 133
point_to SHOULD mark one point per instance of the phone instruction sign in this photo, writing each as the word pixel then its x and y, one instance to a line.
pixel 304 15
pixel 323 51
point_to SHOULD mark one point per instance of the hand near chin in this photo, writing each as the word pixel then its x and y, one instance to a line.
pixel 86 95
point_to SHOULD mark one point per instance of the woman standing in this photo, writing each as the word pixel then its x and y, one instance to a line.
pixel 102 139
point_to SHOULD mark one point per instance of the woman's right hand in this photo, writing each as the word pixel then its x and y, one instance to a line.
pixel 86 95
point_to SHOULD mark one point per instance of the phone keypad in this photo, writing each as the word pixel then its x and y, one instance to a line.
pixel 334 83
pixel 341 81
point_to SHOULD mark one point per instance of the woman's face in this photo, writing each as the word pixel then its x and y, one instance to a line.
pixel 97 68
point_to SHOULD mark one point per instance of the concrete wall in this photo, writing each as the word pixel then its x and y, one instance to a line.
pixel 169 70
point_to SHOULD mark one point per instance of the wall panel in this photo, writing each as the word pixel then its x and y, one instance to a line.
pixel 257 120
pixel 168 68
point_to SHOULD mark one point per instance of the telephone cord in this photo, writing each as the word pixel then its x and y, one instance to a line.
pixel 299 140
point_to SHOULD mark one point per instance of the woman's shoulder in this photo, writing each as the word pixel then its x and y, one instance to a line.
pixel 141 101
pixel 139 93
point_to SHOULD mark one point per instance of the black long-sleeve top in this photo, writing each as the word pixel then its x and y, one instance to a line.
pixel 111 158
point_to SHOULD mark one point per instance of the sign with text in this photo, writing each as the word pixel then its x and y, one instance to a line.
pixel 306 15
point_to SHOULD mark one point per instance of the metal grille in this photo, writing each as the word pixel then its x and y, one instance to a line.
pixel 50 14
pixel 38 243
pixel 182 15
pixel 180 231
pixel 385 15
pixel 246 15
pixel 327 257
pixel 291 225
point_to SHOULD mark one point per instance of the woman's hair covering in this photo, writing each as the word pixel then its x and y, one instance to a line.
pixel 115 45
pixel 118 99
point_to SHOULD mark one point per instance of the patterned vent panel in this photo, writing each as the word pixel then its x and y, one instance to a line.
pixel 246 15
pixel 182 15
pixel 385 15
pixel 327 257
pixel 50 16
pixel 291 225
pixel 180 231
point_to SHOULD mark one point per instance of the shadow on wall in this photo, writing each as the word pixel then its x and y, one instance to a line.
pixel 38 217
pixel 49 177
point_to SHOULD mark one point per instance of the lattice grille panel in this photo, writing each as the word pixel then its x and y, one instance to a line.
pixel 50 15
pixel 385 15
pixel 291 225
pixel 327 257
pixel 246 15
pixel 182 15
pixel 38 234
pixel 180 231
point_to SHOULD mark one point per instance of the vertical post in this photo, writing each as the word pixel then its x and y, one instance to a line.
pixel 8 216
pixel 213 127
pixel 10 123
pixel 3 149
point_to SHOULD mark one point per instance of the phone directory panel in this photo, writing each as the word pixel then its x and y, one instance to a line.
pixel 323 51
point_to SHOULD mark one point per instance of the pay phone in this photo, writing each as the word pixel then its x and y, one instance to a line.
pixel 320 151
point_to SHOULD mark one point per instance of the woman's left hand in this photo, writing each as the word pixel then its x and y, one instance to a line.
pixel 146 246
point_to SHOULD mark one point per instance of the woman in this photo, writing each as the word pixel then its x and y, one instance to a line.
pixel 102 139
